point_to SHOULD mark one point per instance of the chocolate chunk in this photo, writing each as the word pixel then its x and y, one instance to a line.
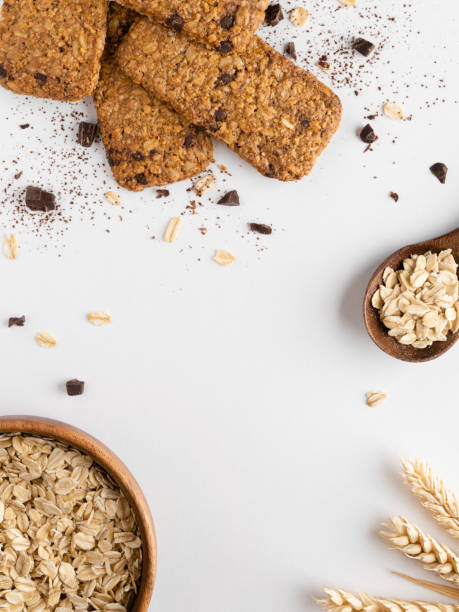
pixel 75 386
pixel 227 22
pixel 394 196
pixel 112 162
pixel 224 78
pixel 273 14
pixel 38 199
pixel 3 72
pixel 290 50
pixel 230 199
pixel 24 126
pixel 261 228
pixel 16 321
pixel 175 22
pixel 439 170
pixel 367 134
pixel 220 114
pixel 162 193
pixel 40 77
pixel 152 153
pixel 189 140
pixel 86 133
pixel 364 47
pixel 138 156
pixel 141 178
pixel 225 46
pixel 304 121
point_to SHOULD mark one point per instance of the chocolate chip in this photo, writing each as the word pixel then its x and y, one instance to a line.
pixel 394 196
pixel 86 133
pixel 162 193
pixel 75 386
pixel 261 228
pixel 138 156
pixel 152 153
pixel 112 162
pixel 230 199
pixel 225 46
pixel 141 178
pixel 189 140
pixel 38 199
pixel 175 22
pixel 16 321
pixel 224 79
pixel 367 134
pixel 273 14
pixel 304 121
pixel 364 47
pixel 24 126
pixel 3 72
pixel 40 77
pixel 227 22
pixel 439 170
pixel 290 50
pixel 220 114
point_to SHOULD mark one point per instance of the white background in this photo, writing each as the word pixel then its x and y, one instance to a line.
pixel 236 395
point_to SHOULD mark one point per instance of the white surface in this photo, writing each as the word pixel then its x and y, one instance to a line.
pixel 236 395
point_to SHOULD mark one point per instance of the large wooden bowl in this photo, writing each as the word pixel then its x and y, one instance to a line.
pixel 118 471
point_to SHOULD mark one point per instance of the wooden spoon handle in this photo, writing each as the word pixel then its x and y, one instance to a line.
pixel 447 241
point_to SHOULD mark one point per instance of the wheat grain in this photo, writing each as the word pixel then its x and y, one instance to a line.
pixel 433 494
pixel 342 601
pixel 413 543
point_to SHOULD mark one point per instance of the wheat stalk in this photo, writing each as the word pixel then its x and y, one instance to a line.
pixel 433 494
pixel 443 589
pixel 415 544
pixel 342 601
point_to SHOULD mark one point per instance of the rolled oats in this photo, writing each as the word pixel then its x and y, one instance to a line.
pixel 299 16
pixel 348 2
pixel 204 184
pixel 224 258
pixel 45 339
pixel 11 246
pixel 393 111
pixel 419 304
pixel 172 229
pixel 113 198
pixel 375 398
pixel 99 318
pixel 68 537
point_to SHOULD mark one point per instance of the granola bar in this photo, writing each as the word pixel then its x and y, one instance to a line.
pixel 119 21
pixel 146 142
pixel 221 24
pixel 52 49
pixel 276 116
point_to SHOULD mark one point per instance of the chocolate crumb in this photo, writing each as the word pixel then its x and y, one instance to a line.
pixel 261 228
pixel 394 196
pixel 188 142
pixel 230 199
pixel 367 134
pixel 141 178
pixel 224 78
pixel 86 133
pixel 74 386
pixel 40 77
pixel 227 22
pixel 38 199
pixel 364 47
pixel 439 170
pixel 24 126
pixel 162 193
pixel 273 14
pixel 18 175
pixel 290 50
pixel 225 46
pixel 3 72
pixel 175 22
pixel 16 321
pixel 220 114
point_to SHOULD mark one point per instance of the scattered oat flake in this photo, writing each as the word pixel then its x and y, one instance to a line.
pixel 348 2
pixel 172 229
pixel 99 318
pixel 204 184
pixel 393 111
pixel 113 198
pixel 287 123
pixel 376 398
pixel 224 258
pixel 299 16
pixel 11 246
pixel 45 339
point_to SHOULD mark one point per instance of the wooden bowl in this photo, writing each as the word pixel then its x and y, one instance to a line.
pixel 118 471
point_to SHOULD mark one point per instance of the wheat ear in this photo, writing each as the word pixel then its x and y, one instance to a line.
pixel 433 494
pixel 413 543
pixel 342 601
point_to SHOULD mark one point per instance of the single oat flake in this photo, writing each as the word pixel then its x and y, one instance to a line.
pixel 348 2
pixel 113 198
pixel 172 229
pixel 224 258
pixel 299 16
pixel 11 246
pixel 204 184
pixel 375 398
pixel 45 339
pixel 393 111
pixel 99 318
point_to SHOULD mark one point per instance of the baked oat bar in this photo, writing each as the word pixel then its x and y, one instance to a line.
pixel 52 48
pixel 119 20
pixel 221 24
pixel 275 115
pixel 146 142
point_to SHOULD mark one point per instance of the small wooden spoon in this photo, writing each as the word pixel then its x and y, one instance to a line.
pixel 377 331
